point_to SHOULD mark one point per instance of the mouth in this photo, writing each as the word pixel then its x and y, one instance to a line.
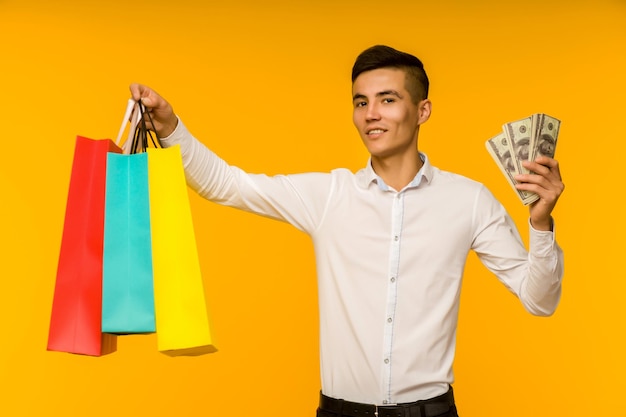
pixel 375 132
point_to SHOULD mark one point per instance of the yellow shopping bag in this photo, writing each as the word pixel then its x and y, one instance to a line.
pixel 182 322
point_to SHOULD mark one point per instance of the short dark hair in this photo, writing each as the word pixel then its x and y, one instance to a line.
pixel 382 56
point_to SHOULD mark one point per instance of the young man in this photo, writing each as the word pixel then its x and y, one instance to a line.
pixel 390 241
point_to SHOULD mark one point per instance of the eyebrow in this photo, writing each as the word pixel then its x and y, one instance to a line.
pixel 359 96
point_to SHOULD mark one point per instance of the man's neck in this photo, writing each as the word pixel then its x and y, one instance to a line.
pixel 397 171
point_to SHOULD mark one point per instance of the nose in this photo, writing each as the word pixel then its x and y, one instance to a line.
pixel 372 113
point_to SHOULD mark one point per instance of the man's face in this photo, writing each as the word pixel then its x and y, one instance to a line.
pixel 384 114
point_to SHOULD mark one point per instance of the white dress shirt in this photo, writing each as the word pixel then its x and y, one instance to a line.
pixel 389 264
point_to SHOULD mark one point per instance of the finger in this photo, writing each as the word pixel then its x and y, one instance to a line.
pixel 544 166
pixel 536 168
pixel 533 182
pixel 148 96
pixel 547 195
pixel 151 99
pixel 547 187
pixel 136 91
pixel 546 161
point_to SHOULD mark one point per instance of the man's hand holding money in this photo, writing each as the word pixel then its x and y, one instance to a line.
pixel 524 152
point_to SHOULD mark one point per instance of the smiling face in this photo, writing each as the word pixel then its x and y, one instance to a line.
pixel 384 114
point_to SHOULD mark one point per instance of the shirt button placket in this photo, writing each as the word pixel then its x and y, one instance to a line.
pixel 394 262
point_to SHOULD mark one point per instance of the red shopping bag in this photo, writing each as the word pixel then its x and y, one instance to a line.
pixel 75 321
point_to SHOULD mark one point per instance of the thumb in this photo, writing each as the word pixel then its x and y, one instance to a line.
pixel 143 93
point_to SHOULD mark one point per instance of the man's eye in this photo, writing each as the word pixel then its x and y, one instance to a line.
pixel 360 104
pixel 388 100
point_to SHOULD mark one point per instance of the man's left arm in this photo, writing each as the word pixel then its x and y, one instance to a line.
pixel 542 288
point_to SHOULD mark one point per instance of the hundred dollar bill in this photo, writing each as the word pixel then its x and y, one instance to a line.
pixel 519 134
pixel 534 125
pixel 498 148
pixel 546 135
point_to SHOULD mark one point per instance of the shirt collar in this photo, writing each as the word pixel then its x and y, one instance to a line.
pixel 367 176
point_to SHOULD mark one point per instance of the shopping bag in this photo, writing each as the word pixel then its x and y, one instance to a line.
pixel 182 321
pixel 127 289
pixel 75 320
pixel 127 293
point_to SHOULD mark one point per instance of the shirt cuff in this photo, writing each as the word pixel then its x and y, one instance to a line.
pixel 542 242
pixel 177 136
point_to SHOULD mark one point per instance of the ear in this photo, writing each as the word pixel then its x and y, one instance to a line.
pixel 424 108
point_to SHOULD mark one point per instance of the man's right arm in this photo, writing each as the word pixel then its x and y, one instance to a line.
pixel 202 167
pixel 296 199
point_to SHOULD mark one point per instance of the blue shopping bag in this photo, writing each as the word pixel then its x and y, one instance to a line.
pixel 127 275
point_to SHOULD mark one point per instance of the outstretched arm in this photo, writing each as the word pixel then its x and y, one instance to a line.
pixel 297 199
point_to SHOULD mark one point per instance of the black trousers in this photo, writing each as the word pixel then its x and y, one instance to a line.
pixel 440 406
pixel 451 413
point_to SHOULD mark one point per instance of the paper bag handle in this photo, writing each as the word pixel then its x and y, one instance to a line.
pixel 132 104
pixel 136 111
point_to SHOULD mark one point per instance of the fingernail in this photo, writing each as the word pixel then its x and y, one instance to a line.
pixel 146 101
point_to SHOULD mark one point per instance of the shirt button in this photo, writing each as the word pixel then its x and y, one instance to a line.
pixel 385 401
pixel 389 320
pixel 395 238
pixel 386 360
pixel 393 279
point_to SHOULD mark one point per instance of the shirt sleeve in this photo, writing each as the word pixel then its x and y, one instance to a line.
pixel 298 199
pixel 541 291
pixel 534 275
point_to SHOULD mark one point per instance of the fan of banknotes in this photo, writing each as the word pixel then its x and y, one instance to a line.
pixel 521 140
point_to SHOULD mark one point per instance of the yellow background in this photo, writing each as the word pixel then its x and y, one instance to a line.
pixel 266 85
